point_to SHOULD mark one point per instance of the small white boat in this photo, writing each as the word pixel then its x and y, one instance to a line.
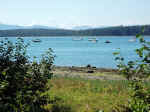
pixel 36 40
pixel 77 38
pixel 93 39
pixel 132 40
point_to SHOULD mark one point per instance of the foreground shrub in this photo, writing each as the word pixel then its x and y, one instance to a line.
pixel 134 70
pixel 139 97
pixel 23 82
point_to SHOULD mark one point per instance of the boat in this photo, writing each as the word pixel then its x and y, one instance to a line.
pixel 93 39
pixel 77 38
pixel 132 40
pixel 36 40
pixel 107 41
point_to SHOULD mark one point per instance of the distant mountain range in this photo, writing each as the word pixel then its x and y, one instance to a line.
pixel 12 27
pixel 8 27
pixel 86 27
pixel 37 30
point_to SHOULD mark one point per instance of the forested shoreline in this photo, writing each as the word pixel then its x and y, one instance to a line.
pixel 109 31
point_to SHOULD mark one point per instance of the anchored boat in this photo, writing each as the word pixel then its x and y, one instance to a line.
pixel 132 40
pixel 93 39
pixel 107 41
pixel 77 38
pixel 36 40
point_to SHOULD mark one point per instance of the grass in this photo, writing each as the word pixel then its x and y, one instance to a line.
pixel 110 76
pixel 80 95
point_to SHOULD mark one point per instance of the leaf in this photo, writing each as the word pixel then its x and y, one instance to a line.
pixel 142 40
pixel 116 53
pixel 138 35
pixel 148 43
pixel 143 29
pixel 131 62
pixel 4 73
pixel 117 58
pixel 122 59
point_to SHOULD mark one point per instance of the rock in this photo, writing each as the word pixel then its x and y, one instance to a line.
pixel 88 66
pixel 90 71
pixel 94 67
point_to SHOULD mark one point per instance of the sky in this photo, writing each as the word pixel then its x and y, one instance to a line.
pixel 70 13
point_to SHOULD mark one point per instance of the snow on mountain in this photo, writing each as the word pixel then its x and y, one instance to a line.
pixel 87 27
pixel 8 27
pixel 11 27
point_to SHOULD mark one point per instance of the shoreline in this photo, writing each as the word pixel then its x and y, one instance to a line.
pixel 85 68
pixel 87 73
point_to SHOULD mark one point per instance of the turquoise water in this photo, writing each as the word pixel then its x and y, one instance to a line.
pixel 81 53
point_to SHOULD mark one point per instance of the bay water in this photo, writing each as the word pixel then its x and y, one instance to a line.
pixel 71 52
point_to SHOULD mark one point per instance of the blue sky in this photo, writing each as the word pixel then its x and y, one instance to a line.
pixel 68 13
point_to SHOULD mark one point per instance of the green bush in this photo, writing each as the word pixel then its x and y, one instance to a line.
pixel 139 97
pixel 134 70
pixel 23 82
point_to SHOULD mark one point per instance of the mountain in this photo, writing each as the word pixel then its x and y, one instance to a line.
pixel 108 31
pixel 81 27
pixel 38 27
pixel 13 27
pixel 86 27
pixel 9 27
